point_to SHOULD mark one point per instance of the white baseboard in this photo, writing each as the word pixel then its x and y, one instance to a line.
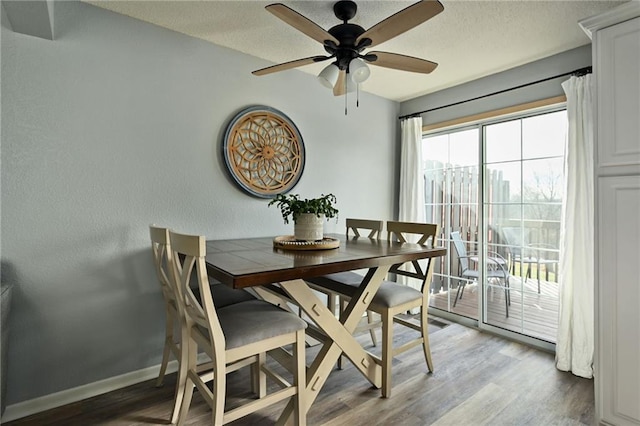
pixel 69 396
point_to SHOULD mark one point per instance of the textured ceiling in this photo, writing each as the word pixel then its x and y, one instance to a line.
pixel 469 39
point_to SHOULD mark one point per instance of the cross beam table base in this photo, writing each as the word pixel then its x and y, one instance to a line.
pixel 340 333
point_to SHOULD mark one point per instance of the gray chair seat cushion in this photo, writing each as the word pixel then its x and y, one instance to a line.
pixel 249 322
pixel 389 294
pixel 223 295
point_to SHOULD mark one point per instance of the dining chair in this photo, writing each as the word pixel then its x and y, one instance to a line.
pixel 162 262
pixel 497 269
pixel 233 336
pixel 372 229
pixel 393 299
pixel 223 296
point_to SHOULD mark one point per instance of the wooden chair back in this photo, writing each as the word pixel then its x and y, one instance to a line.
pixel 163 261
pixel 398 231
pixel 373 226
pixel 423 232
pixel 162 258
pixel 189 264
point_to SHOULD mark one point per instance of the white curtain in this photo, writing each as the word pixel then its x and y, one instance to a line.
pixel 575 342
pixel 411 208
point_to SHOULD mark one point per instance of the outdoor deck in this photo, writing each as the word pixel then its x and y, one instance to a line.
pixel 529 313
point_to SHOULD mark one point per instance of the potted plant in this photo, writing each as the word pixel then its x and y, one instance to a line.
pixel 308 214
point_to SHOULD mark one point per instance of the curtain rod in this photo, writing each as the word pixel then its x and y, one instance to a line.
pixel 578 73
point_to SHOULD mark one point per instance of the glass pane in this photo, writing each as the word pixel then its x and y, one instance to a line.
pixel 503 141
pixel 541 316
pixel 503 183
pixel 435 148
pixel 524 195
pixel 434 213
pixel 504 215
pixel 464 184
pixel 515 239
pixel 497 222
pixel 434 185
pixel 451 194
pixel 464 148
pixel 543 216
pixel 462 293
pixel 544 135
pixel 496 300
pixel 543 180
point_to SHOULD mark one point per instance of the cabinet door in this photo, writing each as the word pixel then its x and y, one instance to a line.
pixel 618 80
pixel 618 296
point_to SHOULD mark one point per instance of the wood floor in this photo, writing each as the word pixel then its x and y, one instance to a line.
pixel 531 313
pixel 479 379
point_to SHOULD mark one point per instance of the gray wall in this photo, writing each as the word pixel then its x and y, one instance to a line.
pixel 548 67
pixel 116 124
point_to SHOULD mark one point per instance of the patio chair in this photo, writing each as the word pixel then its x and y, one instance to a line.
pixel 516 240
pixel 542 255
pixel 497 269
pixel 523 252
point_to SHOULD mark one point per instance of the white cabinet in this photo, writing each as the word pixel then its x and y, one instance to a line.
pixel 617 64
pixel 616 61
pixel 617 370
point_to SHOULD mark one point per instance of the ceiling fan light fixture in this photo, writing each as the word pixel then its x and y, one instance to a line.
pixel 329 76
pixel 359 70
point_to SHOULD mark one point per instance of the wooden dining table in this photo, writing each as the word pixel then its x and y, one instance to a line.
pixel 256 263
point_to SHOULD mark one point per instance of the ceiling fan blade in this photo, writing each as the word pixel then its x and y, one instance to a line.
pixel 402 62
pixel 339 89
pixel 300 22
pixel 402 21
pixel 291 64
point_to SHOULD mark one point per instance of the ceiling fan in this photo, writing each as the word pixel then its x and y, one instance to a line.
pixel 346 42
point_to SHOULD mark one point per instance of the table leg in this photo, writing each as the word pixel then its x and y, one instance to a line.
pixel 340 332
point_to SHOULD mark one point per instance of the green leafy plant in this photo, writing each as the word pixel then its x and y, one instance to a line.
pixel 292 205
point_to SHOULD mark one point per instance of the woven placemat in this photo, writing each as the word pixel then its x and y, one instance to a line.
pixel 289 242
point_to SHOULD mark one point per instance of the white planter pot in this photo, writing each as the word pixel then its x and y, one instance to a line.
pixel 308 227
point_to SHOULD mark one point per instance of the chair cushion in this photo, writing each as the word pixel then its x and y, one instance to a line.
pixel 249 322
pixel 392 294
pixel 389 294
pixel 223 295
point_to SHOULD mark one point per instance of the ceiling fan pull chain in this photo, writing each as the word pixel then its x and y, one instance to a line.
pixel 345 93
pixel 345 104
pixel 358 95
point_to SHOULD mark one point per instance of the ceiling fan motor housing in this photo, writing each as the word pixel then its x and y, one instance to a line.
pixel 345 10
pixel 347 34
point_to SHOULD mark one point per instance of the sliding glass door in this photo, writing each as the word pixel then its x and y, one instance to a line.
pixel 496 188
pixel 452 196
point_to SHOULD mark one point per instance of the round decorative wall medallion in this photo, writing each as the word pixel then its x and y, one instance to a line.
pixel 263 151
